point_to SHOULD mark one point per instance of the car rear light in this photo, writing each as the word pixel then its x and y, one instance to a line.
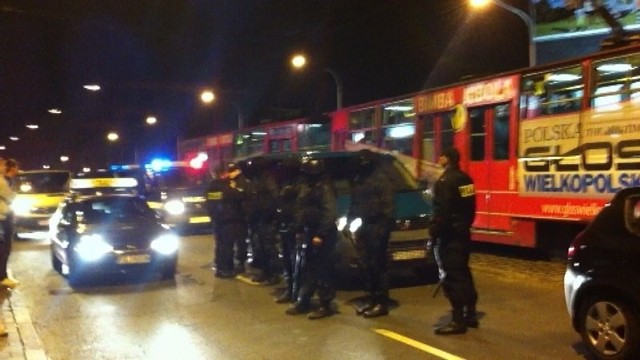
pixel 576 244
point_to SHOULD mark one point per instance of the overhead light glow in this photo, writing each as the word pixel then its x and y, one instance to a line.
pixel 399 107
pixel 614 68
pixel 563 77
pixel 14 138
pixel 91 87
pixel 55 111
pixel 32 126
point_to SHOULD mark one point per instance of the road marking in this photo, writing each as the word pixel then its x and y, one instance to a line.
pixel 245 279
pixel 418 345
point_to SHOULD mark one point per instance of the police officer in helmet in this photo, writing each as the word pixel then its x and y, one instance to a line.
pixel 372 202
pixel 454 207
pixel 225 198
pixel 316 216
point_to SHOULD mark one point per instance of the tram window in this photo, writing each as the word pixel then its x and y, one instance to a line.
pixel 615 81
pixel 428 139
pixel 478 133
pixel 363 137
pixel 314 136
pixel 362 119
pixel 398 113
pixel 501 132
pixel 399 138
pixel 553 92
pixel 446 131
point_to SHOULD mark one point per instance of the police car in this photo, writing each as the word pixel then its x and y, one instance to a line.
pixel 38 193
pixel 100 229
pixel 178 193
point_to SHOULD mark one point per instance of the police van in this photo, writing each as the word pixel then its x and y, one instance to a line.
pixel 409 241
pixel 177 193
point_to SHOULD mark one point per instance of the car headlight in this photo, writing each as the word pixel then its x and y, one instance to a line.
pixel 22 206
pixel 341 223
pixel 355 225
pixel 166 244
pixel 174 207
pixel 91 247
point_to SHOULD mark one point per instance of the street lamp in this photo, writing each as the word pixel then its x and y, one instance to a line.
pixel 527 18
pixel 299 61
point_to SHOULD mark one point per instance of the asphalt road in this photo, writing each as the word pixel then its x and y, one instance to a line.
pixel 198 316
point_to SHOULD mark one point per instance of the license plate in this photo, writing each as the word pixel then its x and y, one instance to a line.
pixel 409 255
pixel 43 222
pixel 134 259
pixel 199 220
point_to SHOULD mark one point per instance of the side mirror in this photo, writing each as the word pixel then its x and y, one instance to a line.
pixel 632 214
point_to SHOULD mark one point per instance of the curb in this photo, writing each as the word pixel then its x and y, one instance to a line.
pixel 23 341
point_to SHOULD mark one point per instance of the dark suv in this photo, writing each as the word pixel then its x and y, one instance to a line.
pixel 602 281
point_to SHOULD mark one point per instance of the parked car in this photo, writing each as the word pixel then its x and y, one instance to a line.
pixel 602 280
pixel 110 234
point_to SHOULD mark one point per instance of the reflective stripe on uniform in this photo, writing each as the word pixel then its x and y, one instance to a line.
pixel 467 190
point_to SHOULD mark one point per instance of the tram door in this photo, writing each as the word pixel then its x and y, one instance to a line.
pixel 489 166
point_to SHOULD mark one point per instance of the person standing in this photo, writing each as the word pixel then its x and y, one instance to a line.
pixel 372 202
pixel 316 215
pixel 225 200
pixel 7 194
pixel 454 208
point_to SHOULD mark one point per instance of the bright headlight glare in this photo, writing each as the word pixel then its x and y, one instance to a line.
pixel 21 206
pixel 355 225
pixel 166 244
pixel 91 247
pixel 341 223
pixel 174 207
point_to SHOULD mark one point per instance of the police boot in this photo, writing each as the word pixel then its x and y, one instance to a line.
pixel 455 326
pixel 323 311
pixel 361 308
pixel 297 308
pixel 376 310
pixel 471 318
pixel 285 297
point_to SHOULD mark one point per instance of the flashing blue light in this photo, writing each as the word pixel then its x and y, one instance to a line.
pixel 159 164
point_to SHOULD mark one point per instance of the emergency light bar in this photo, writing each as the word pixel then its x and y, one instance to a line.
pixel 103 183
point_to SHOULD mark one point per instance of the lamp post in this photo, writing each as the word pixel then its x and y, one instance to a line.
pixel 299 61
pixel 208 96
pixel 527 18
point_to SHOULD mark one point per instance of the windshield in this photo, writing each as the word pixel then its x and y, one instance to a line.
pixel 181 178
pixel 42 182
pixel 106 209
pixel 342 174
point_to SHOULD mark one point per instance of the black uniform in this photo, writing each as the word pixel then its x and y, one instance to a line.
pixel 454 207
pixel 316 216
pixel 288 229
pixel 261 207
pixel 372 201
pixel 225 199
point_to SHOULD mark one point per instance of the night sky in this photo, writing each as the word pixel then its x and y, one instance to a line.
pixel 154 56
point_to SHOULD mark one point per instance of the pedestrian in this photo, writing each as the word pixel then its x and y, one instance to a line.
pixel 288 227
pixel 315 254
pixel 7 194
pixel 261 207
pixel 372 202
pixel 225 200
pixel 454 208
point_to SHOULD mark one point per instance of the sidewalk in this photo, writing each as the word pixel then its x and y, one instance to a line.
pixel 23 341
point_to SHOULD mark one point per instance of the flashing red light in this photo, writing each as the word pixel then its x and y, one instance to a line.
pixel 196 163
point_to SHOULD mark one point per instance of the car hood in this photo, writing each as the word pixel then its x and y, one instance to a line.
pixel 128 234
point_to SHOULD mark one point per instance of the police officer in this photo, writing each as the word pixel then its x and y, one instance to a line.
pixel 372 202
pixel 316 215
pixel 225 200
pixel 454 208
pixel 287 226
pixel 262 195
